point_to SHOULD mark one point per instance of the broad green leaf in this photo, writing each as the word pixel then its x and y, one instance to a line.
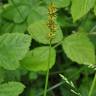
pixel 7 27
pixel 60 3
pixel 10 27
pixel 12 75
pixel 11 89
pixel 37 59
pixel 80 8
pixel 39 31
pixel 19 28
pixel 34 16
pixel 13 47
pixel 32 3
pixel 43 13
pixel 16 13
pixel 79 48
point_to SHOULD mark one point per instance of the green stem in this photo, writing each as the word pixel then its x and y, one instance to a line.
pixel 93 85
pixel 47 74
pixel 59 43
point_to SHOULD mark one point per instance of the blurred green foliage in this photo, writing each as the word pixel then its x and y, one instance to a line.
pixel 24 47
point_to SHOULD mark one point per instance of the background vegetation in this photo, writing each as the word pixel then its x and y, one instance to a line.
pixel 24 48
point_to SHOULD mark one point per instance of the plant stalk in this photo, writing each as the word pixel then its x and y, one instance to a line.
pixel 47 74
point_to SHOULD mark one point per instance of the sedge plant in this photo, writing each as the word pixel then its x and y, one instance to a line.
pixel 51 35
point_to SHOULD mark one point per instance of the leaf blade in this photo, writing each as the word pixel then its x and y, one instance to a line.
pixel 79 48
pixel 13 47
pixel 80 8
pixel 31 63
pixel 11 89
pixel 39 31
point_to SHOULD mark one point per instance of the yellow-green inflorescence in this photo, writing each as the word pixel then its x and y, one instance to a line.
pixel 51 20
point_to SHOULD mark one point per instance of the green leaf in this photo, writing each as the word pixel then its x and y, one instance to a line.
pixel 34 16
pixel 16 13
pixel 80 8
pixel 44 11
pixel 12 75
pixel 11 89
pixel 13 48
pixel 37 59
pixel 39 31
pixel 6 27
pixel 19 28
pixel 60 3
pixel 79 48
pixel 10 27
pixel 31 3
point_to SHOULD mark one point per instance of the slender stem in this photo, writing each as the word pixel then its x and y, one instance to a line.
pixel 47 74
pixel 92 87
pixel 59 43
pixel 62 82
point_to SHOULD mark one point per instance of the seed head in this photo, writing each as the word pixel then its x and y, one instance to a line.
pixel 52 9
pixel 51 35
pixel 51 20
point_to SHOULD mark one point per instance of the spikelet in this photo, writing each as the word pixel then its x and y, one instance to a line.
pixel 52 10
pixel 51 20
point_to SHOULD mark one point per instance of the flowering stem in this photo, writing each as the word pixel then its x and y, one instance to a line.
pixel 52 26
